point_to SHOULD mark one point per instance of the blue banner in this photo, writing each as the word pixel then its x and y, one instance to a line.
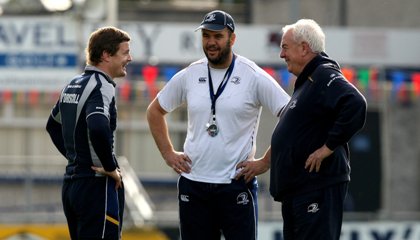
pixel 38 60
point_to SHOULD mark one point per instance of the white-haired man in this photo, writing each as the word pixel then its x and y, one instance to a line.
pixel 310 161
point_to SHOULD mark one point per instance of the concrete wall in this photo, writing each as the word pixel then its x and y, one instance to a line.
pixel 358 13
pixel 402 149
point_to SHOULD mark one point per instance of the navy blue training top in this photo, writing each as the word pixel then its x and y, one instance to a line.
pixel 82 123
pixel 324 109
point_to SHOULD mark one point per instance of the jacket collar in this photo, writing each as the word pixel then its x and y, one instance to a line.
pixel 90 68
pixel 319 59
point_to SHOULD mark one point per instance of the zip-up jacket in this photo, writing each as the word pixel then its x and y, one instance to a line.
pixel 324 109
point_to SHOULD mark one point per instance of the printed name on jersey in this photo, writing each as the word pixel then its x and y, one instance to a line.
pixel 71 98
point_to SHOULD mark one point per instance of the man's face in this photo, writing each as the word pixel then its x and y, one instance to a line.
pixel 217 46
pixel 120 60
pixel 293 53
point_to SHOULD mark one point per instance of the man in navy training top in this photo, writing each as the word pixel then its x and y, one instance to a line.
pixel 310 162
pixel 81 126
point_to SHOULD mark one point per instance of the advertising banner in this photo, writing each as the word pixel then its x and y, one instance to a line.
pixel 37 53
pixel 356 231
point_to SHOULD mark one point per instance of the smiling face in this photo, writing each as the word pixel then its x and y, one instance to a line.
pixel 217 46
pixel 115 65
pixel 296 53
pixel 293 53
pixel 119 61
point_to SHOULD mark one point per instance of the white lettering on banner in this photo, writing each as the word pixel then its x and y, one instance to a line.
pixel 147 39
pixel 355 231
pixel 51 49
pixel 188 42
pixel 163 43
pixel 38 53
pixel 30 34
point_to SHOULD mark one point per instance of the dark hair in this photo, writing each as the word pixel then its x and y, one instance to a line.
pixel 103 39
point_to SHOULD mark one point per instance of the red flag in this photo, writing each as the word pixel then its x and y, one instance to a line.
pixel 348 74
pixel 33 97
pixel 150 74
pixel 7 96
pixel 415 78
pixel 270 71
pixel 125 90
pixel 373 83
pixel 403 95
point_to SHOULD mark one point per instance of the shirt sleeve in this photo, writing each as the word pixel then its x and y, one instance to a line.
pixel 100 135
pixel 99 127
pixel 53 128
pixel 349 107
pixel 270 94
pixel 173 94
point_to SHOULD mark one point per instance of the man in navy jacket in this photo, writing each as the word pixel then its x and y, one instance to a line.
pixel 310 161
pixel 82 125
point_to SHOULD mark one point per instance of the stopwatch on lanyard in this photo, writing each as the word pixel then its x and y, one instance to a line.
pixel 211 126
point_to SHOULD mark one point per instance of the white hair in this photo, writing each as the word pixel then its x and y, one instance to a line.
pixel 307 30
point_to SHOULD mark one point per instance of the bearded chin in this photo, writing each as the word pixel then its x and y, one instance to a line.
pixel 222 58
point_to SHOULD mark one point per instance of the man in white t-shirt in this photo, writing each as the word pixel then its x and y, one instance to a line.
pixel 224 94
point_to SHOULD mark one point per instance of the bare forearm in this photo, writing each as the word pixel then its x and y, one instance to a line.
pixel 161 136
pixel 159 128
pixel 267 157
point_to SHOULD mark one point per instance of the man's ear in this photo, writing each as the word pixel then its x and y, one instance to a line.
pixel 305 48
pixel 232 39
pixel 105 56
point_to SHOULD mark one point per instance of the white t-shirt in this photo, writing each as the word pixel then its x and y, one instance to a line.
pixel 238 110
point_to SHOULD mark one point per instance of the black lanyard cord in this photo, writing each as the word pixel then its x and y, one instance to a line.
pixel 221 87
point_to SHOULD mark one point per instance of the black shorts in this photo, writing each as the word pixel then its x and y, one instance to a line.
pixel 315 215
pixel 93 208
pixel 209 210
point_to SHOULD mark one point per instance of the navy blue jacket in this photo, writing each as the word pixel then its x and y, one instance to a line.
pixel 82 123
pixel 324 109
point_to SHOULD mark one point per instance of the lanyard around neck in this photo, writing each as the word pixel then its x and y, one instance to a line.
pixel 222 85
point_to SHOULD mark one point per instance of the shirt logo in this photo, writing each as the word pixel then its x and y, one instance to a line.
pixel 74 86
pixel 242 198
pixel 202 80
pixel 333 77
pixel 210 18
pixel 185 198
pixel 235 80
pixel 78 80
pixel 293 104
pixel 313 208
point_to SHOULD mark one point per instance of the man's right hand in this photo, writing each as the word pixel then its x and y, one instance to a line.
pixel 178 161
pixel 116 175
